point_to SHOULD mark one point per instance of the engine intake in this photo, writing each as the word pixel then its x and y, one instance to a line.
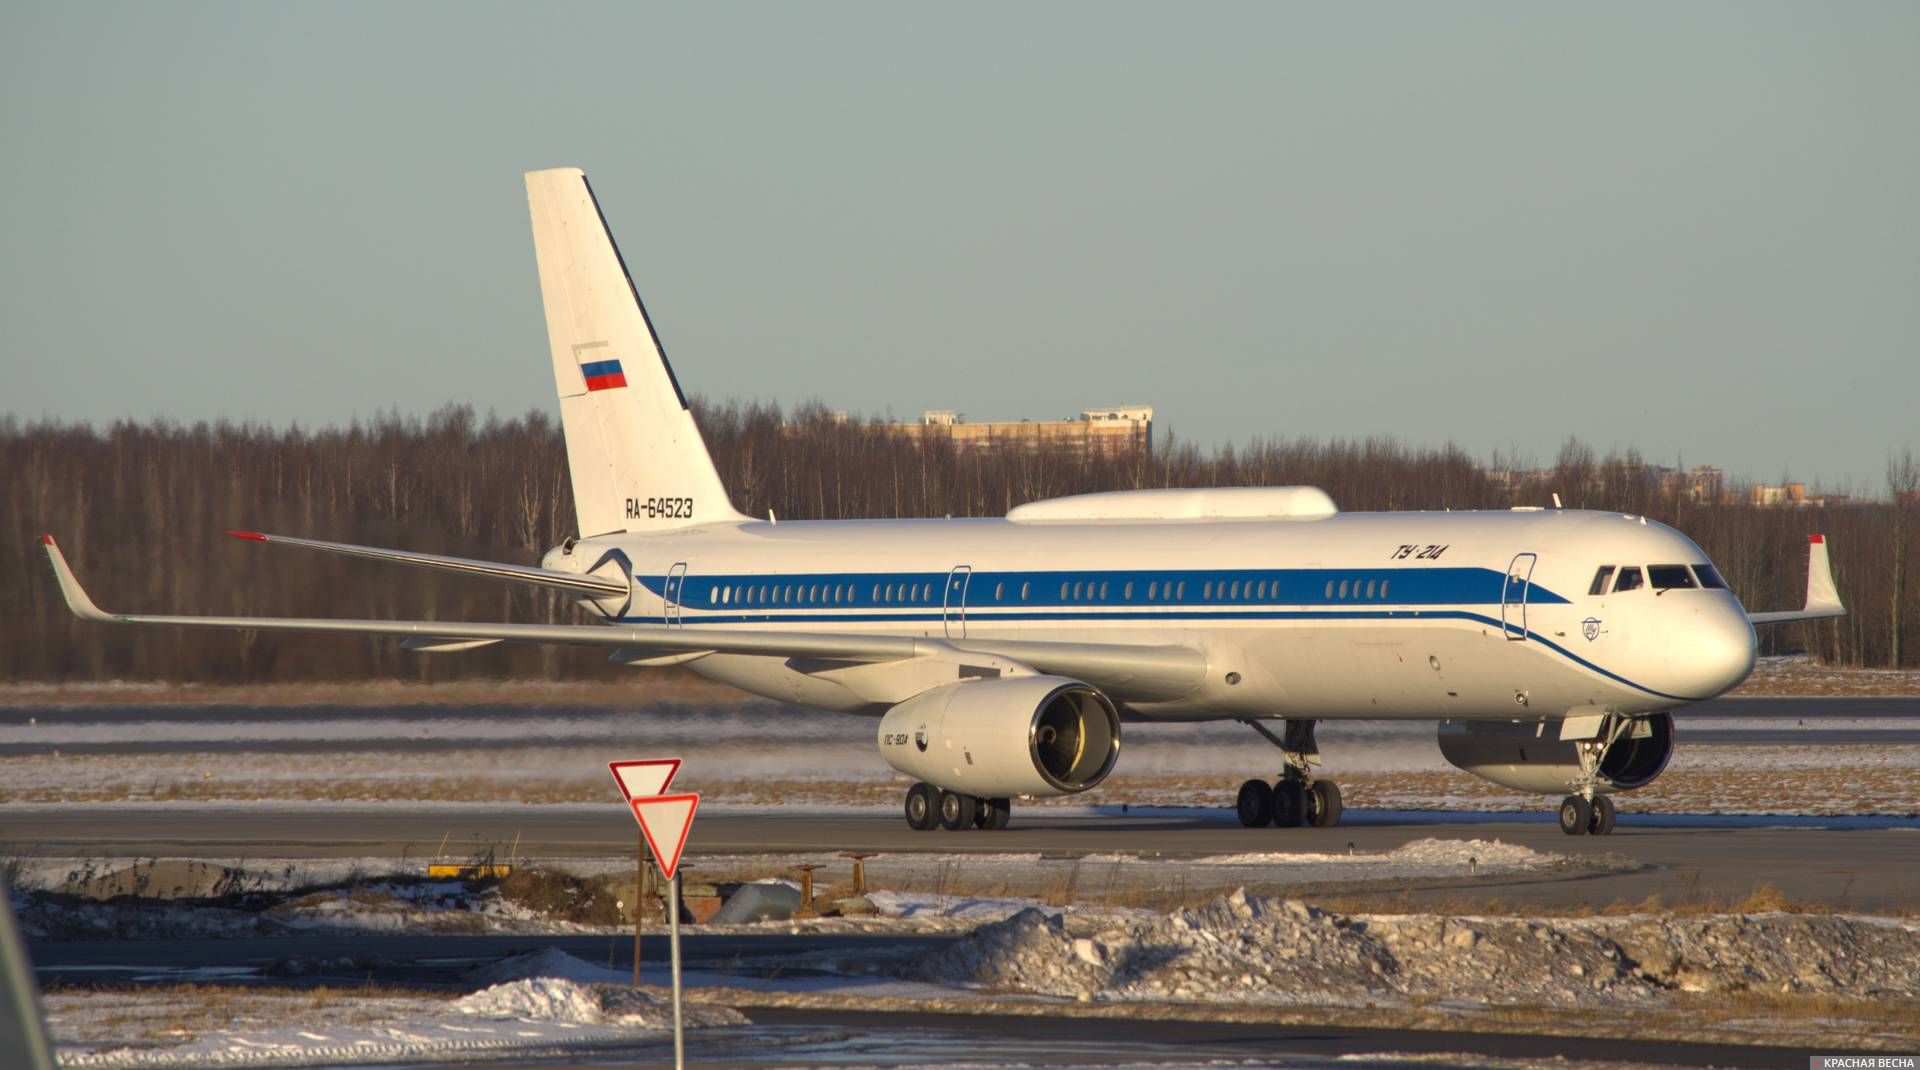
pixel 1023 735
pixel 1531 756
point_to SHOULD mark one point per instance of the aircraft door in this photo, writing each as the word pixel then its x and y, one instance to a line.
pixel 673 591
pixel 956 601
pixel 1513 596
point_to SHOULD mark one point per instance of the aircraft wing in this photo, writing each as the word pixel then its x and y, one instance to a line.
pixel 544 577
pixel 1131 672
pixel 1823 598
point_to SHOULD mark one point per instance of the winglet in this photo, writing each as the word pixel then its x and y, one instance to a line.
pixel 1823 596
pixel 76 595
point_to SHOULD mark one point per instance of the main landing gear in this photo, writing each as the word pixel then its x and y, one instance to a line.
pixel 929 808
pixel 1580 816
pixel 1298 799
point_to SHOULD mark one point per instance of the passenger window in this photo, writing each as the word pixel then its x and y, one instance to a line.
pixel 1153 590
pixel 1710 577
pixel 1126 593
pixel 1668 577
pixel 1063 590
pixel 1263 591
pixel 1076 592
pixel 889 596
pixel 1023 590
pixel 1206 590
pixel 1343 588
pixel 1180 593
pixel 1383 588
pixel 813 593
pixel 1103 590
pixel 1369 588
pixel 1629 580
pixel 1600 579
pixel 1329 588
pixel 998 590
pixel 1236 589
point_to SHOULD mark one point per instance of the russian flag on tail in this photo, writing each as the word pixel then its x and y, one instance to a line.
pixel 603 374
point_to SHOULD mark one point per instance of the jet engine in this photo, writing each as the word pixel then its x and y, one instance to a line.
pixel 1021 735
pixel 1531 756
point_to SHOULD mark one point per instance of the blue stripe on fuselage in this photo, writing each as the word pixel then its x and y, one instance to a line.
pixel 1131 587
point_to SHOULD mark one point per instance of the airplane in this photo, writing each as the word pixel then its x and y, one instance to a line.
pixel 1002 655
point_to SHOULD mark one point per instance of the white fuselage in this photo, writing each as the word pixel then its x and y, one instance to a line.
pixel 1463 615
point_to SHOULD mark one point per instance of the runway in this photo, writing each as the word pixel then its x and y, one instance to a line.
pixel 1860 864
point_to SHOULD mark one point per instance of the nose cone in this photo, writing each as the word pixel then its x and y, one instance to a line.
pixel 1710 648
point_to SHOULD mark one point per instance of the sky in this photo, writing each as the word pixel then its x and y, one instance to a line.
pixel 1688 229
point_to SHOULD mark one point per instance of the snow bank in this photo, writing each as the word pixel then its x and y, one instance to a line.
pixel 1486 855
pixel 1239 949
pixel 547 963
pixel 536 999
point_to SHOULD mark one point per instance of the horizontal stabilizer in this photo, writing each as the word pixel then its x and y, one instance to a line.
pixel 1823 597
pixel 543 577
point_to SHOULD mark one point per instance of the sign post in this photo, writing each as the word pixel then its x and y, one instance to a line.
pixel 639 899
pixel 673 944
pixel 665 820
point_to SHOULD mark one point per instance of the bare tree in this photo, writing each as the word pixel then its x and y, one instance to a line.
pixel 1903 487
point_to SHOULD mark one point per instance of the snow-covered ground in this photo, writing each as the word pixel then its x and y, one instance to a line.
pixel 82 899
pixel 542 1001
pixel 1788 977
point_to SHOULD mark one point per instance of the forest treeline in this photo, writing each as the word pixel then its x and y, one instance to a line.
pixel 140 510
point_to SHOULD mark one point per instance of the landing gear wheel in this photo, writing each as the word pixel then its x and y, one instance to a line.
pixel 957 811
pixel 994 814
pixel 1255 805
pixel 1323 804
pixel 1601 823
pixel 1575 815
pixel 1289 804
pixel 923 807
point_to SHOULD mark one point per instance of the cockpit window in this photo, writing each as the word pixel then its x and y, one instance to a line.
pixel 1710 577
pixel 1600 579
pixel 1629 579
pixel 1668 577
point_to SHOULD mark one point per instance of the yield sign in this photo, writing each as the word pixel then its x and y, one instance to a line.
pixel 666 820
pixel 644 778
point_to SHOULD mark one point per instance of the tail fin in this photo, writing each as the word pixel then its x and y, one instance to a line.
pixel 637 459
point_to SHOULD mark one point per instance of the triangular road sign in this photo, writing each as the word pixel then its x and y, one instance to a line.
pixel 645 778
pixel 666 820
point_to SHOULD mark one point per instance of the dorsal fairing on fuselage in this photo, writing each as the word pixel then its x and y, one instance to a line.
pixel 1180 504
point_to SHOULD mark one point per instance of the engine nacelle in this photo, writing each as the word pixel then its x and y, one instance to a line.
pixel 1019 735
pixel 1531 756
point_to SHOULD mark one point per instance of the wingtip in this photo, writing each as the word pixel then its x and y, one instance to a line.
pixel 250 535
pixel 70 589
pixel 1816 539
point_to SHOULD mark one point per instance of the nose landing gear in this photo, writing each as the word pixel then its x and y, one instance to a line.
pixel 1298 799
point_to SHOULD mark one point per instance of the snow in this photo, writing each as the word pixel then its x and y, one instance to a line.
pixel 531 1013
pixel 1241 949
pixel 548 963
pixel 535 999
